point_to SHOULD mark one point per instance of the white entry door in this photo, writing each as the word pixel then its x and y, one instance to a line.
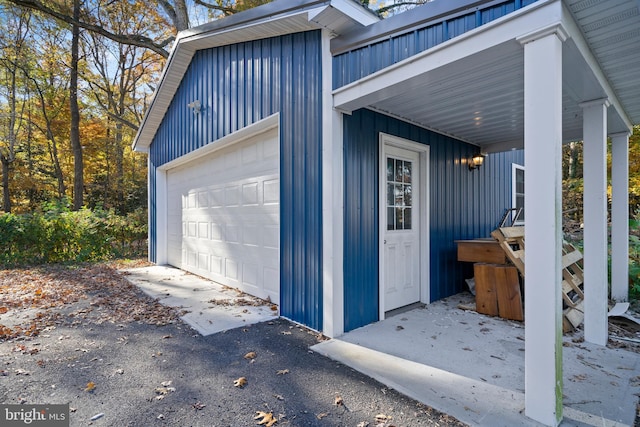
pixel 401 232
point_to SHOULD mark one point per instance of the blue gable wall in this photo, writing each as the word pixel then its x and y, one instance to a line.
pixel 358 63
pixel 239 85
pixel 463 204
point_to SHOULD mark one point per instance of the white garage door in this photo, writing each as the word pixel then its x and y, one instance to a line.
pixel 224 216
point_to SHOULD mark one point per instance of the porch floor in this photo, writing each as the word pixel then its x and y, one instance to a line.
pixel 471 366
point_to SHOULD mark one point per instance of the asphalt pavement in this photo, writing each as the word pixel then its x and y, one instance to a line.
pixel 132 372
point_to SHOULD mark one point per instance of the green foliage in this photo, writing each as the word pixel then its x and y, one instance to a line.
pixel 634 258
pixel 57 234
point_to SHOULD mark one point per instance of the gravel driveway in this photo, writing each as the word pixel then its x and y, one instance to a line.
pixel 85 336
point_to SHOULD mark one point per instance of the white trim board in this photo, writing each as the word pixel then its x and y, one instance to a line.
pixel 243 134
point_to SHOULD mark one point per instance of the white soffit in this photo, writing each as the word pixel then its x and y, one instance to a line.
pixel 378 86
pixel 471 86
pixel 611 29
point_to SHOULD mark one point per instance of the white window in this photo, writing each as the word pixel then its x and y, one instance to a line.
pixel 517 193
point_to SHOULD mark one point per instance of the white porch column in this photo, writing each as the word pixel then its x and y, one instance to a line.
pixel 332 204
pixel 595 220
pixel 543 207
pixel 620 216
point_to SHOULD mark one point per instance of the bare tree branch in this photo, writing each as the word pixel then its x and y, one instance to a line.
pixel 129 39
pixel 385 9
pixel 225 10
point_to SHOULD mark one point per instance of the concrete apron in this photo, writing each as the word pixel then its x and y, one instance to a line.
pixel 192 294
pixel 471 366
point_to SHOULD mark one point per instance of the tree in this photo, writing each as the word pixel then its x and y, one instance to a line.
pixel 60 10
pixel 173 14
pixel 115 84
pixel 13 54
pixel 76 146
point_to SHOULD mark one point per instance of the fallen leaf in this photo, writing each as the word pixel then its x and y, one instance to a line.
pixel 251 355
pixel 278 396
pixel 363 424
pixel 265 418
pixel 166 383
pixel 338 401
pixel 240 382
pixel 282 372
pixel 381 418
pixel 160 417
pixel 73 410
pixel 167 337
pixel 90 386
pixel 164 390
pixel 399 328
pixel 198 406
pixel 321 416
pixel 120 371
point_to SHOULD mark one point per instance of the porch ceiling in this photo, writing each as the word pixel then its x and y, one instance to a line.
pixel 479 97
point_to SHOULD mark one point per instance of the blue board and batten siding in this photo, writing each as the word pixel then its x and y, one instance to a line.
pixel 464 204
pixel 239 85
pixel 355 64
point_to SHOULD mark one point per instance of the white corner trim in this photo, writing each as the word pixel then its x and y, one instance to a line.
pixel 162 220
pixel 332 205
pixel 243 134
pixel 557 28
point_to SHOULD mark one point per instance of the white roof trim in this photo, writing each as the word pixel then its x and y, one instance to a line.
pixel 208 36
pixel 376 86
pixel 356 11
pixel 257 128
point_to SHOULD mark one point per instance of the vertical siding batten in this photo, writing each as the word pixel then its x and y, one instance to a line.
pixel 240 85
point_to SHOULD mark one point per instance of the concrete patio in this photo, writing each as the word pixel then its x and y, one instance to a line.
pixel 193 295
pixel 471 366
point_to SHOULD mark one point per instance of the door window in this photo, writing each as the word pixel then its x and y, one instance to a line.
pixel 399 200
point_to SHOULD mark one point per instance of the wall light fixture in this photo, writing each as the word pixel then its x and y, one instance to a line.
pixel 476 161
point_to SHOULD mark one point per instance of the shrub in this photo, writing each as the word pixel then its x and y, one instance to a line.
pixel 634 258
pixel 56 234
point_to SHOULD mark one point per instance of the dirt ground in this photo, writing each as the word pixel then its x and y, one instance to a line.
pixel 83 335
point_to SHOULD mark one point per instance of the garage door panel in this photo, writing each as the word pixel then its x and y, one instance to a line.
pixel 271 191
pixel 224 216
